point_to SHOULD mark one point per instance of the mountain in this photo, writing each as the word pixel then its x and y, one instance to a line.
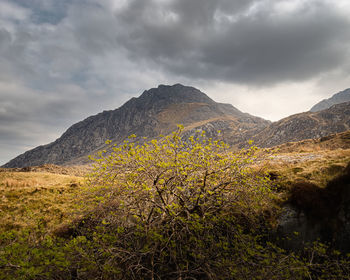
pixel 306 125
pixel 159 110
pixel 340 97
pixel 156 111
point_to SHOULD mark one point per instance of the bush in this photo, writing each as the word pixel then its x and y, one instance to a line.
pixel 172 178
pixel 180 209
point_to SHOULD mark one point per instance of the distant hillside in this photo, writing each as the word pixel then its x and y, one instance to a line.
pixel 306 125
pixel 156 111
pixel 340 97
pixel 330 142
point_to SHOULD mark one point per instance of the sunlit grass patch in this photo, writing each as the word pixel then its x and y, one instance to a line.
pixel 32 198
pixel 317 168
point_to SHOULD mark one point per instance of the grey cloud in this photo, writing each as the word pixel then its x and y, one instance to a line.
pixel 260 47
pixel 22 136
pixel 247 42
pixel 5 38
pixel 95 31
pixel 267 51
pixel 45 11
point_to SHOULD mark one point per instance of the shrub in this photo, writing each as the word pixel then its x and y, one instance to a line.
pixel 180 209
pixel 171 178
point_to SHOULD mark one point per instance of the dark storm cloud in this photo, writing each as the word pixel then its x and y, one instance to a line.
pixel 239 41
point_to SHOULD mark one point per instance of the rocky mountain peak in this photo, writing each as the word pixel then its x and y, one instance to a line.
pixel 340 97
pixel 156 111
pixel 164 95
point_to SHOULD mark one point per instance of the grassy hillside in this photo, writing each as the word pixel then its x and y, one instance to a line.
pixel 29 199
pixel 315 167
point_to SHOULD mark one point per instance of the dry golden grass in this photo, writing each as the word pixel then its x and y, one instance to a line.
pixel 178 113
pixel 31 199
pixel 316 167
pixel 77 170
pixel 314 160
pixel 181 114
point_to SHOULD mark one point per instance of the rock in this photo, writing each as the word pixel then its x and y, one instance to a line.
pixel 294 230
pixel 322 214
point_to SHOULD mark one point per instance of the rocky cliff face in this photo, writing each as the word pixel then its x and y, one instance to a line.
pixel 340 97
pixel 156 111
pixel 305 126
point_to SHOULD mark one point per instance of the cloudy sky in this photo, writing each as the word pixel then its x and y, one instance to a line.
pixel 61 61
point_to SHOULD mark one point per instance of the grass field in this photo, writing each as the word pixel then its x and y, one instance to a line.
pixel 32 199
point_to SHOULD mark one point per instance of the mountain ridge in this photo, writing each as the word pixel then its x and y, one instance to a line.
pixel 159 110
pixel 307 125
pixel 143 116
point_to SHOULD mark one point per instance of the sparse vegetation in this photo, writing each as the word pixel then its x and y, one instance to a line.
pixel 321 203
